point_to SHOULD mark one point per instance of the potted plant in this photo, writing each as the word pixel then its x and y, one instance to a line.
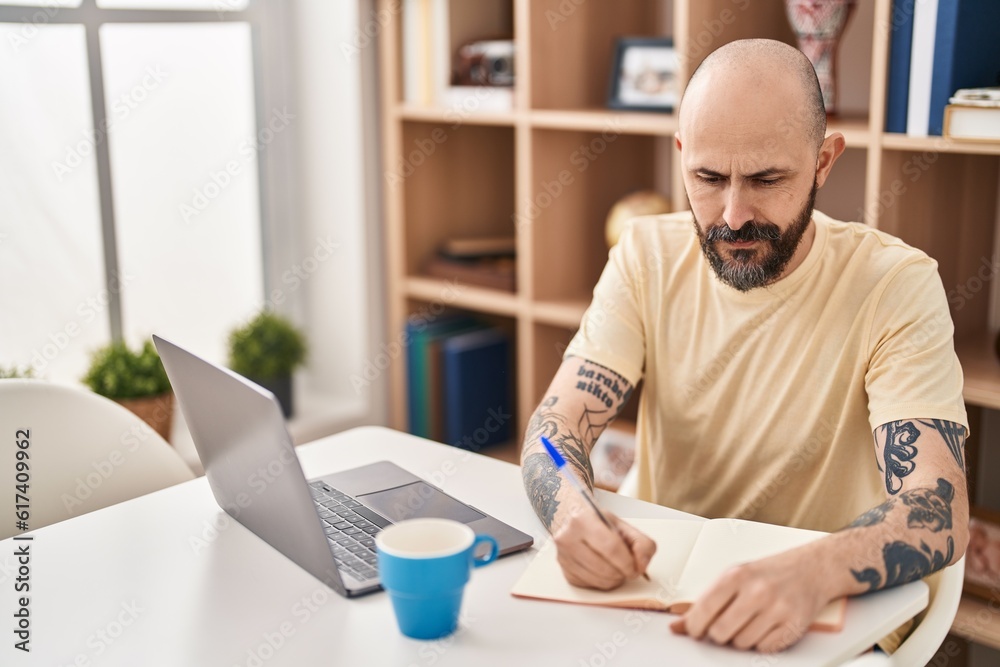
pixel 266 350
pixel 136 380
pixel 16 372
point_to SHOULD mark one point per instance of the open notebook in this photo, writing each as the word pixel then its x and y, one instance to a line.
pixel 689 557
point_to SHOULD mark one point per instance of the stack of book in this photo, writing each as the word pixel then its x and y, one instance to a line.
pixel 459 381
pixel 484 262
pixel 974 114
pixel 936 48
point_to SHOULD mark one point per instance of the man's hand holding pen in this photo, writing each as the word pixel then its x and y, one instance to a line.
pixel 595 548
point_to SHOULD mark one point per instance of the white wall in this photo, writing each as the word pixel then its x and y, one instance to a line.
pixel 336 163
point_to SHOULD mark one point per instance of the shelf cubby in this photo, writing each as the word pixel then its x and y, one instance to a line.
pixel 569 37
pixel 457 181
pixel 576 179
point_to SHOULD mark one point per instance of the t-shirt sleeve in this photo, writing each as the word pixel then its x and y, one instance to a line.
pixel 611 332
pixel 913 371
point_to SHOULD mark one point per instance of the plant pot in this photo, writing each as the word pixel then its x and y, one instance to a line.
pixel 281 387
pixel 157 411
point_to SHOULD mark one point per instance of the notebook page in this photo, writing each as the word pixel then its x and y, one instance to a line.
pixel 674 538
pixel 724 543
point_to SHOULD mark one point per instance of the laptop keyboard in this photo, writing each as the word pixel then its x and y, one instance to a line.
pixel 350 528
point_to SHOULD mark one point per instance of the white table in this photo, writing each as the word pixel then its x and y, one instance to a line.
pixel 154 582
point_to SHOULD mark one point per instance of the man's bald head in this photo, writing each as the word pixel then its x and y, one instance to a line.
pixel 760 72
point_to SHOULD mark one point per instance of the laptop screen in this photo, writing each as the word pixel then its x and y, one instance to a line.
pixel 418 500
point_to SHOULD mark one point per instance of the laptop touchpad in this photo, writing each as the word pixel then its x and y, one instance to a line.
pixel 416 501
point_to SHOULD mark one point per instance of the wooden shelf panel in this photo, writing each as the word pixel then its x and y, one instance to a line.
pixel 566 313
pixel 456 117
pixel 601 120
pixel 903 142
pixel 854 128
pixel 469 297
pixel 977 622
pixel 982 371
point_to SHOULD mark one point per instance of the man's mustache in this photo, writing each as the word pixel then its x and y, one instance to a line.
pixel 751 231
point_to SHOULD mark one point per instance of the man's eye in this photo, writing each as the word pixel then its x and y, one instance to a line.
pixel 710 180
pixel 768 181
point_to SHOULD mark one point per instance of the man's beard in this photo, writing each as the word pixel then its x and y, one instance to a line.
pixel 749 268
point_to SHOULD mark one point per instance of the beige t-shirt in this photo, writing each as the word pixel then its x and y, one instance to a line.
pixel 761 405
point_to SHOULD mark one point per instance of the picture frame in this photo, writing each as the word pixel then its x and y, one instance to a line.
pixel 982 562
pixel 644 75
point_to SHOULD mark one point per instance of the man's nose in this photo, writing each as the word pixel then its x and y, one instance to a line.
pixel 739 210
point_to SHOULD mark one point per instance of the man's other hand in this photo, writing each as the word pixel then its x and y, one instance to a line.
pixel 765 605
pixel 594 556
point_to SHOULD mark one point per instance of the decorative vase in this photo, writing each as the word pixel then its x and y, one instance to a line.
pixel 157 411
pixel 819 25
pixel 281 387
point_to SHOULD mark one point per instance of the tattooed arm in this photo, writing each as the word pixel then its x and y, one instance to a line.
pixel 923 525
pixel 581 401
pixel 920 528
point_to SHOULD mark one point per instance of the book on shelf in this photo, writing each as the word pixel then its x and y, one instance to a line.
pixel 966 52
pixel 422 363
pixel 972 123
pixel 898 80
pixel 458 381
pixel 690 556
pixel 918 106
pixel 977 97
pixel 492 272
pixel 417 53
pixel 487 246
pixel 478 408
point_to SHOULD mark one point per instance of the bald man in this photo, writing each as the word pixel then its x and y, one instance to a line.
pixel 798 370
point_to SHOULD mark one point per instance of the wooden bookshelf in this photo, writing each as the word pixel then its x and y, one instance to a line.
pixel 497 173
pixel 977 621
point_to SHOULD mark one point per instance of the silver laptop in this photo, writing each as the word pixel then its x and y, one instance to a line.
pixel 326 525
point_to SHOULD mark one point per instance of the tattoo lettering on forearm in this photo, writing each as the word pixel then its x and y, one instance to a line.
pixel 930 509
pixel 898 453
pixel 905 563
pixel 542 482
pixel 953 435
pixel 603 384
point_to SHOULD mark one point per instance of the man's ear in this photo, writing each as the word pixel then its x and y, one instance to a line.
pixel 677 140
pixel 831 149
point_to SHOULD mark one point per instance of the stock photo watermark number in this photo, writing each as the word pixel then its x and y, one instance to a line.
pixel 22 551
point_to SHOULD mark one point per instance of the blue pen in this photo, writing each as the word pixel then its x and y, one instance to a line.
pixel 560 462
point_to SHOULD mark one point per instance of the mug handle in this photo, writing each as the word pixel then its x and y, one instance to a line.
pixel 490 556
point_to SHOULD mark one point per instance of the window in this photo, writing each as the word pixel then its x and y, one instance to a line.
pixel 130 160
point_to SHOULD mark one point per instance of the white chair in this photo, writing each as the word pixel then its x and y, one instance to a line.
pixel 84 452
pixel 933 624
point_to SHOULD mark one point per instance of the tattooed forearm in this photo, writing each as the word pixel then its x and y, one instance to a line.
pixel 542 482
pixel 930 509
pixel 573 423
pixel 926 510
pixel 953 435
pixel 874 516
pixel 905 563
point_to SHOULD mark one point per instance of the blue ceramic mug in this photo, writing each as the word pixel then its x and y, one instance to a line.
pixel 424 565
